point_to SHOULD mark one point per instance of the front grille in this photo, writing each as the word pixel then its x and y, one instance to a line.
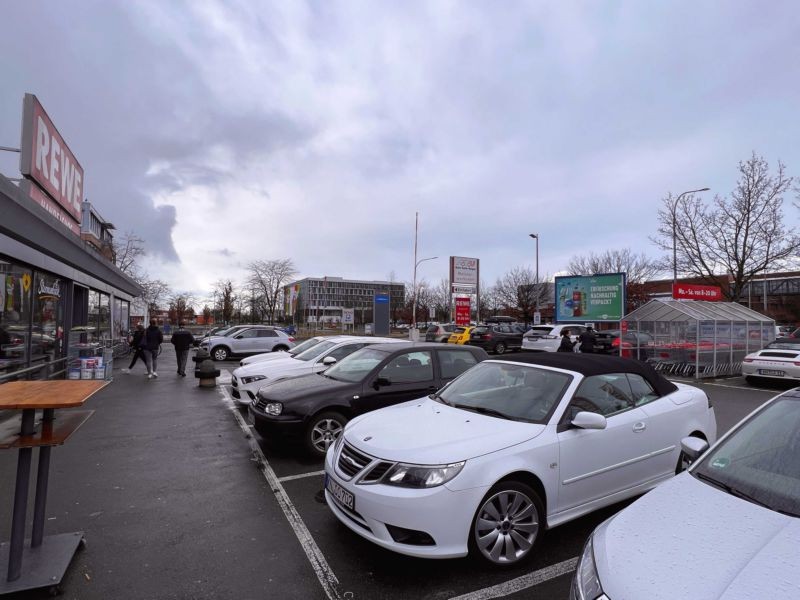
pixel 377 472
pixel 351 461
pixel 234 381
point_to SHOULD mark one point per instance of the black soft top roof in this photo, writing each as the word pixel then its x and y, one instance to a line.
pixel 595 364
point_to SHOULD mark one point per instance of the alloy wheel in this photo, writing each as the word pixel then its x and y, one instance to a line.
pixel 506 527
pixel 324 433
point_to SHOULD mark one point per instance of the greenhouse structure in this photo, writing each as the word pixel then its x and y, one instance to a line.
pixel 695 337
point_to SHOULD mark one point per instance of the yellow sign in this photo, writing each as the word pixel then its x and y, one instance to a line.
pixel 26 282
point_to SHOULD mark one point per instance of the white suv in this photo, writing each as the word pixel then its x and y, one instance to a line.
pixel 547 338
pixel 251 340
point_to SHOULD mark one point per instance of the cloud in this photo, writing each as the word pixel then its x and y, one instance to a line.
pixel 225 132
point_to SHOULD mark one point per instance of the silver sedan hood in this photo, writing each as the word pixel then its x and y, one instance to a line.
pixel 687 539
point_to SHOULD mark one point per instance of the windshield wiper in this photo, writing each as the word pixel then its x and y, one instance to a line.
pixel 733 491
pixel 485 411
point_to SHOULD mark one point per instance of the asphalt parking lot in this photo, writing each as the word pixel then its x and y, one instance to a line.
pixel 347 566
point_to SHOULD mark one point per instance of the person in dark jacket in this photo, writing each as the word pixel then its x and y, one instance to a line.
pixel 182 339
pixel 135 343
pixel 151 343
pixel 588 340
pixel 566 345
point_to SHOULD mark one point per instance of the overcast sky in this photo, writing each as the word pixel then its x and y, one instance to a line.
pixel 224 132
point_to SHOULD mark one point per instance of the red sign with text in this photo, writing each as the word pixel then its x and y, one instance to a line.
pixel 46 159
pixel 687 291
pixel 463 306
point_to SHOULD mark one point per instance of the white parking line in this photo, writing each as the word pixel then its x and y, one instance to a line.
pixel 743 387
pixel 520 583
pixel 301 476
pixel 323 571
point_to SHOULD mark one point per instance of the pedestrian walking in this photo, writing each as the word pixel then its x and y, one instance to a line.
pixel 566 345
pixel 136 344
pixel 151 344
pixel 182 339
pixel 588 340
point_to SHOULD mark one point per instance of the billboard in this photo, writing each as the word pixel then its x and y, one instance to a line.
pixel 46 159
pixel 464 271
pixel 590 298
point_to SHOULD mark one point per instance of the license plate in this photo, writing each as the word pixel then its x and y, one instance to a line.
pixel 771 372
pixel 344 497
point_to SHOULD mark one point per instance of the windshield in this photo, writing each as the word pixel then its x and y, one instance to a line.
pixel 357 366
pixel 761 460
pixel 302 347
pixel 315 350
pixel 513 391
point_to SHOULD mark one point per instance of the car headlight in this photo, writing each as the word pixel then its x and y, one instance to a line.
pixel 421 476
pixel 274 408
pixel 252 378
pixel 586 579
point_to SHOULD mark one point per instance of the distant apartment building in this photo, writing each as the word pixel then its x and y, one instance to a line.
pixel 322 299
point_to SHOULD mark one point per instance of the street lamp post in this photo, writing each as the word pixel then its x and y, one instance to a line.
pixel 536 237
pixel 675 233
pixel 414 303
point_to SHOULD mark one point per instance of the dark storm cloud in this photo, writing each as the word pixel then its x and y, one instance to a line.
pixel 124 102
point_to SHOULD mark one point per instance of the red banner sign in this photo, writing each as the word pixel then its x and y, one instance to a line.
pixel 47 160
pixel 687 291
pixel 463 306
pixel 54 209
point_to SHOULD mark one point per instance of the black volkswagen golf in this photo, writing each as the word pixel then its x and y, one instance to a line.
pixel 314 408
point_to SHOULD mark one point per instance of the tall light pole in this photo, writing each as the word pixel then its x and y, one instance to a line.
pixel 675 233
pixel 536 237
pixel 414 303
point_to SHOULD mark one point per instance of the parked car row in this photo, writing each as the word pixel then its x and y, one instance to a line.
pixel 504 449
pixel 246 339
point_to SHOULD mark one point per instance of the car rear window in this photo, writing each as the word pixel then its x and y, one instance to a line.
pixel 480 330
pixel 432 329
pixel 539 331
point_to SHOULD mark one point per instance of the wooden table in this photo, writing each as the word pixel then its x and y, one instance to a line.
pixel 46 559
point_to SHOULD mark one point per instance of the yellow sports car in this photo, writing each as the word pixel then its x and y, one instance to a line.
pixel 460 335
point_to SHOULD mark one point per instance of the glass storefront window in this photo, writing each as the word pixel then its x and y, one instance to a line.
pixel 15 316
pixel 104 317
pixel 47 331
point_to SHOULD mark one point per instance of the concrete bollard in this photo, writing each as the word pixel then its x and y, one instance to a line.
pixel 207 373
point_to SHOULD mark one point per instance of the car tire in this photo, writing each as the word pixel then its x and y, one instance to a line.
pixel 499 348
pixel 220 353
pixel 506 526
pixel 280 349
pixel 323 430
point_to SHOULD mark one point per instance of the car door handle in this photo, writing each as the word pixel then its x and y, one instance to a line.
pixel 640 426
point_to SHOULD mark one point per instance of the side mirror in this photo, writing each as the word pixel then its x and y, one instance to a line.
pixel 238 337
pixel 693 447
pixel 381 382
pixel 328 361
pixel 589 420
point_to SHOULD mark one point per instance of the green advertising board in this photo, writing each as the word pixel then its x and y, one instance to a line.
pixel 590 298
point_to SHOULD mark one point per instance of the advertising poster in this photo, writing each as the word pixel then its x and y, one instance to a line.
pixel 590 298
pixel 463 306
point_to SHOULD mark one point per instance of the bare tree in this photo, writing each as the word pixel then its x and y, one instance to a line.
pixel 742 235
pixel 181 305
pixel 154 292
pixel 128 251
pixel 269 277
pixel 518 291
pixel 440 298
pixel 638 267
pixel 223 289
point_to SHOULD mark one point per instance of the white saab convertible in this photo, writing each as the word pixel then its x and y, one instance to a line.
pixel 508 449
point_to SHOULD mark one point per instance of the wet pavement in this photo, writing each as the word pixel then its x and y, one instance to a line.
pixel 180 499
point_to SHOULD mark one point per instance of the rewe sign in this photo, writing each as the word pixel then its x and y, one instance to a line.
pixel 47 160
